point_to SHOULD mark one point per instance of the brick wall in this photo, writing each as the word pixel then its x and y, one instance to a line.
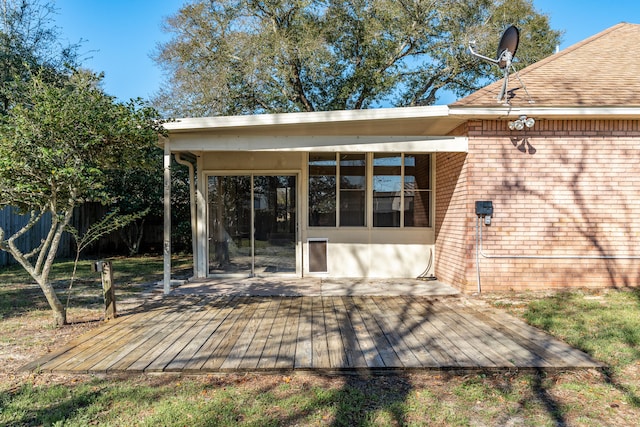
pixel 563 190
pixel 453 245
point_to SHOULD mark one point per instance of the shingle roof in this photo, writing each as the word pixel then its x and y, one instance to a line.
pixel 603 70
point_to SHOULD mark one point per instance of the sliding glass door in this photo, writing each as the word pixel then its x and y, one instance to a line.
pixel 252 224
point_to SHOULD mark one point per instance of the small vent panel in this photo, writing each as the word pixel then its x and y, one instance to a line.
pixel 318 255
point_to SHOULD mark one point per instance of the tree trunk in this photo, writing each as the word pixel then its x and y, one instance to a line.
pixel 132 235
pixel 59 312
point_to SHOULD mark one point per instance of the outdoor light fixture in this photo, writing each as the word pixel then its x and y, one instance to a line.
pixel 521 123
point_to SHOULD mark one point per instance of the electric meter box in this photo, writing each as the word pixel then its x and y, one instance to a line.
pixel 484 208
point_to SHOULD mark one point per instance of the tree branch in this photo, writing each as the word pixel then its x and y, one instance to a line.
pixel 299 94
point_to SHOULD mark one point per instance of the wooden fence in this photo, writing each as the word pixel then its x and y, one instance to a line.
pixel 11 222
pixel 84 216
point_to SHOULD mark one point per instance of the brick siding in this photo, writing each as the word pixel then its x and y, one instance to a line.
pixel 566 188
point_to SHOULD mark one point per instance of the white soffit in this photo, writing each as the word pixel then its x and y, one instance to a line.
pixel 205 142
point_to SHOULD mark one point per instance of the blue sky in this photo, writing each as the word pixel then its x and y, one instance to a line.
pixel 120 35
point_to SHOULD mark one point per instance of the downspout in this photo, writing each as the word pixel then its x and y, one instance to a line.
pixel 166 247
pixel 192 202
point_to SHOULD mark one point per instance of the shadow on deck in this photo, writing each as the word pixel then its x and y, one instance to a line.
pixel 331 326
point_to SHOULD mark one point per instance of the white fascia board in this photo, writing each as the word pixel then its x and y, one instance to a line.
pixel 204 142
pixel 317 117
pixel 548 112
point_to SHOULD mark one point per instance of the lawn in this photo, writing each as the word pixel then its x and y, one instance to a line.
pixel 606 324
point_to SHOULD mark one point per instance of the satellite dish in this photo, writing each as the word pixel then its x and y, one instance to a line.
pixel 506 52
pixel 508 46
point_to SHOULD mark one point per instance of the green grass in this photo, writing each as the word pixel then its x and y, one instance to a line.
pixel 19 293
pixel 125 270
pixel 604 324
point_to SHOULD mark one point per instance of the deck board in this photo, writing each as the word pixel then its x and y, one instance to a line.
pixel 165 334
pixel 366 343
pixel 427 334
pixel 501 342
pixel 205 328
pixel 448 338
pixel 378 336
pixel 350 343
pixel 303 358
pixel 271 333
pixel 80 358
pixel 477 344
pixel 401 325
pixel 229 310
pixel 251 345
pixel 181 337
pixel 534 340
pixel 389 322
pixel 325 333
pixel 136 335
pixel 288 339
pixel 232 331
pixel 319 344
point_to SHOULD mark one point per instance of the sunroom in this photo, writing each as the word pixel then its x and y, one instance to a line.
pixel 342 194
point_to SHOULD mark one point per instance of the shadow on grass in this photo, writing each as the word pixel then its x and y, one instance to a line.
pixel 17 300
pixel 219 401
pixel 606 329
pixel 68 404
pixel 365 398
pixel 345 400
pixel 551 406
pixel 79 403
pixel 611 379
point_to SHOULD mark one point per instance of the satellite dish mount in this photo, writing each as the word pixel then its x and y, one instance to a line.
pixel 506 52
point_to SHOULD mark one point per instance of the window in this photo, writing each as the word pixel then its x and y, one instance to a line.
pixel 353 185
pixel 400 194
pixel 401 190
pixel 326 170
pixel 417 190
pixel 322 189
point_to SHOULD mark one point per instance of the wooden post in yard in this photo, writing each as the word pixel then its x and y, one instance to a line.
pixel 108 290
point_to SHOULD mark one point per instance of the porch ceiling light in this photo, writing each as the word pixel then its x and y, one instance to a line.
pixel 521 123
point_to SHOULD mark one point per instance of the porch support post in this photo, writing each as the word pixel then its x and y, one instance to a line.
pixel 201 208
pixel 166 247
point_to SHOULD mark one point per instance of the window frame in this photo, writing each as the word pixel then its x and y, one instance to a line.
pixel 369 192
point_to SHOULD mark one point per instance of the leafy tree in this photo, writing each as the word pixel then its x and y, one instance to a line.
pixel 141 189
pixel 135 190
pixel 252 56
pixel 56 150
pixel 29 41
pixel 110 222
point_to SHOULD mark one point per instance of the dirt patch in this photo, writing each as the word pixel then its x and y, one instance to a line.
pixel 27 334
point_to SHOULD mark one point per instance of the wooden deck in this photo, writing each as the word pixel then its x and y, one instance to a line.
pixel 327 333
